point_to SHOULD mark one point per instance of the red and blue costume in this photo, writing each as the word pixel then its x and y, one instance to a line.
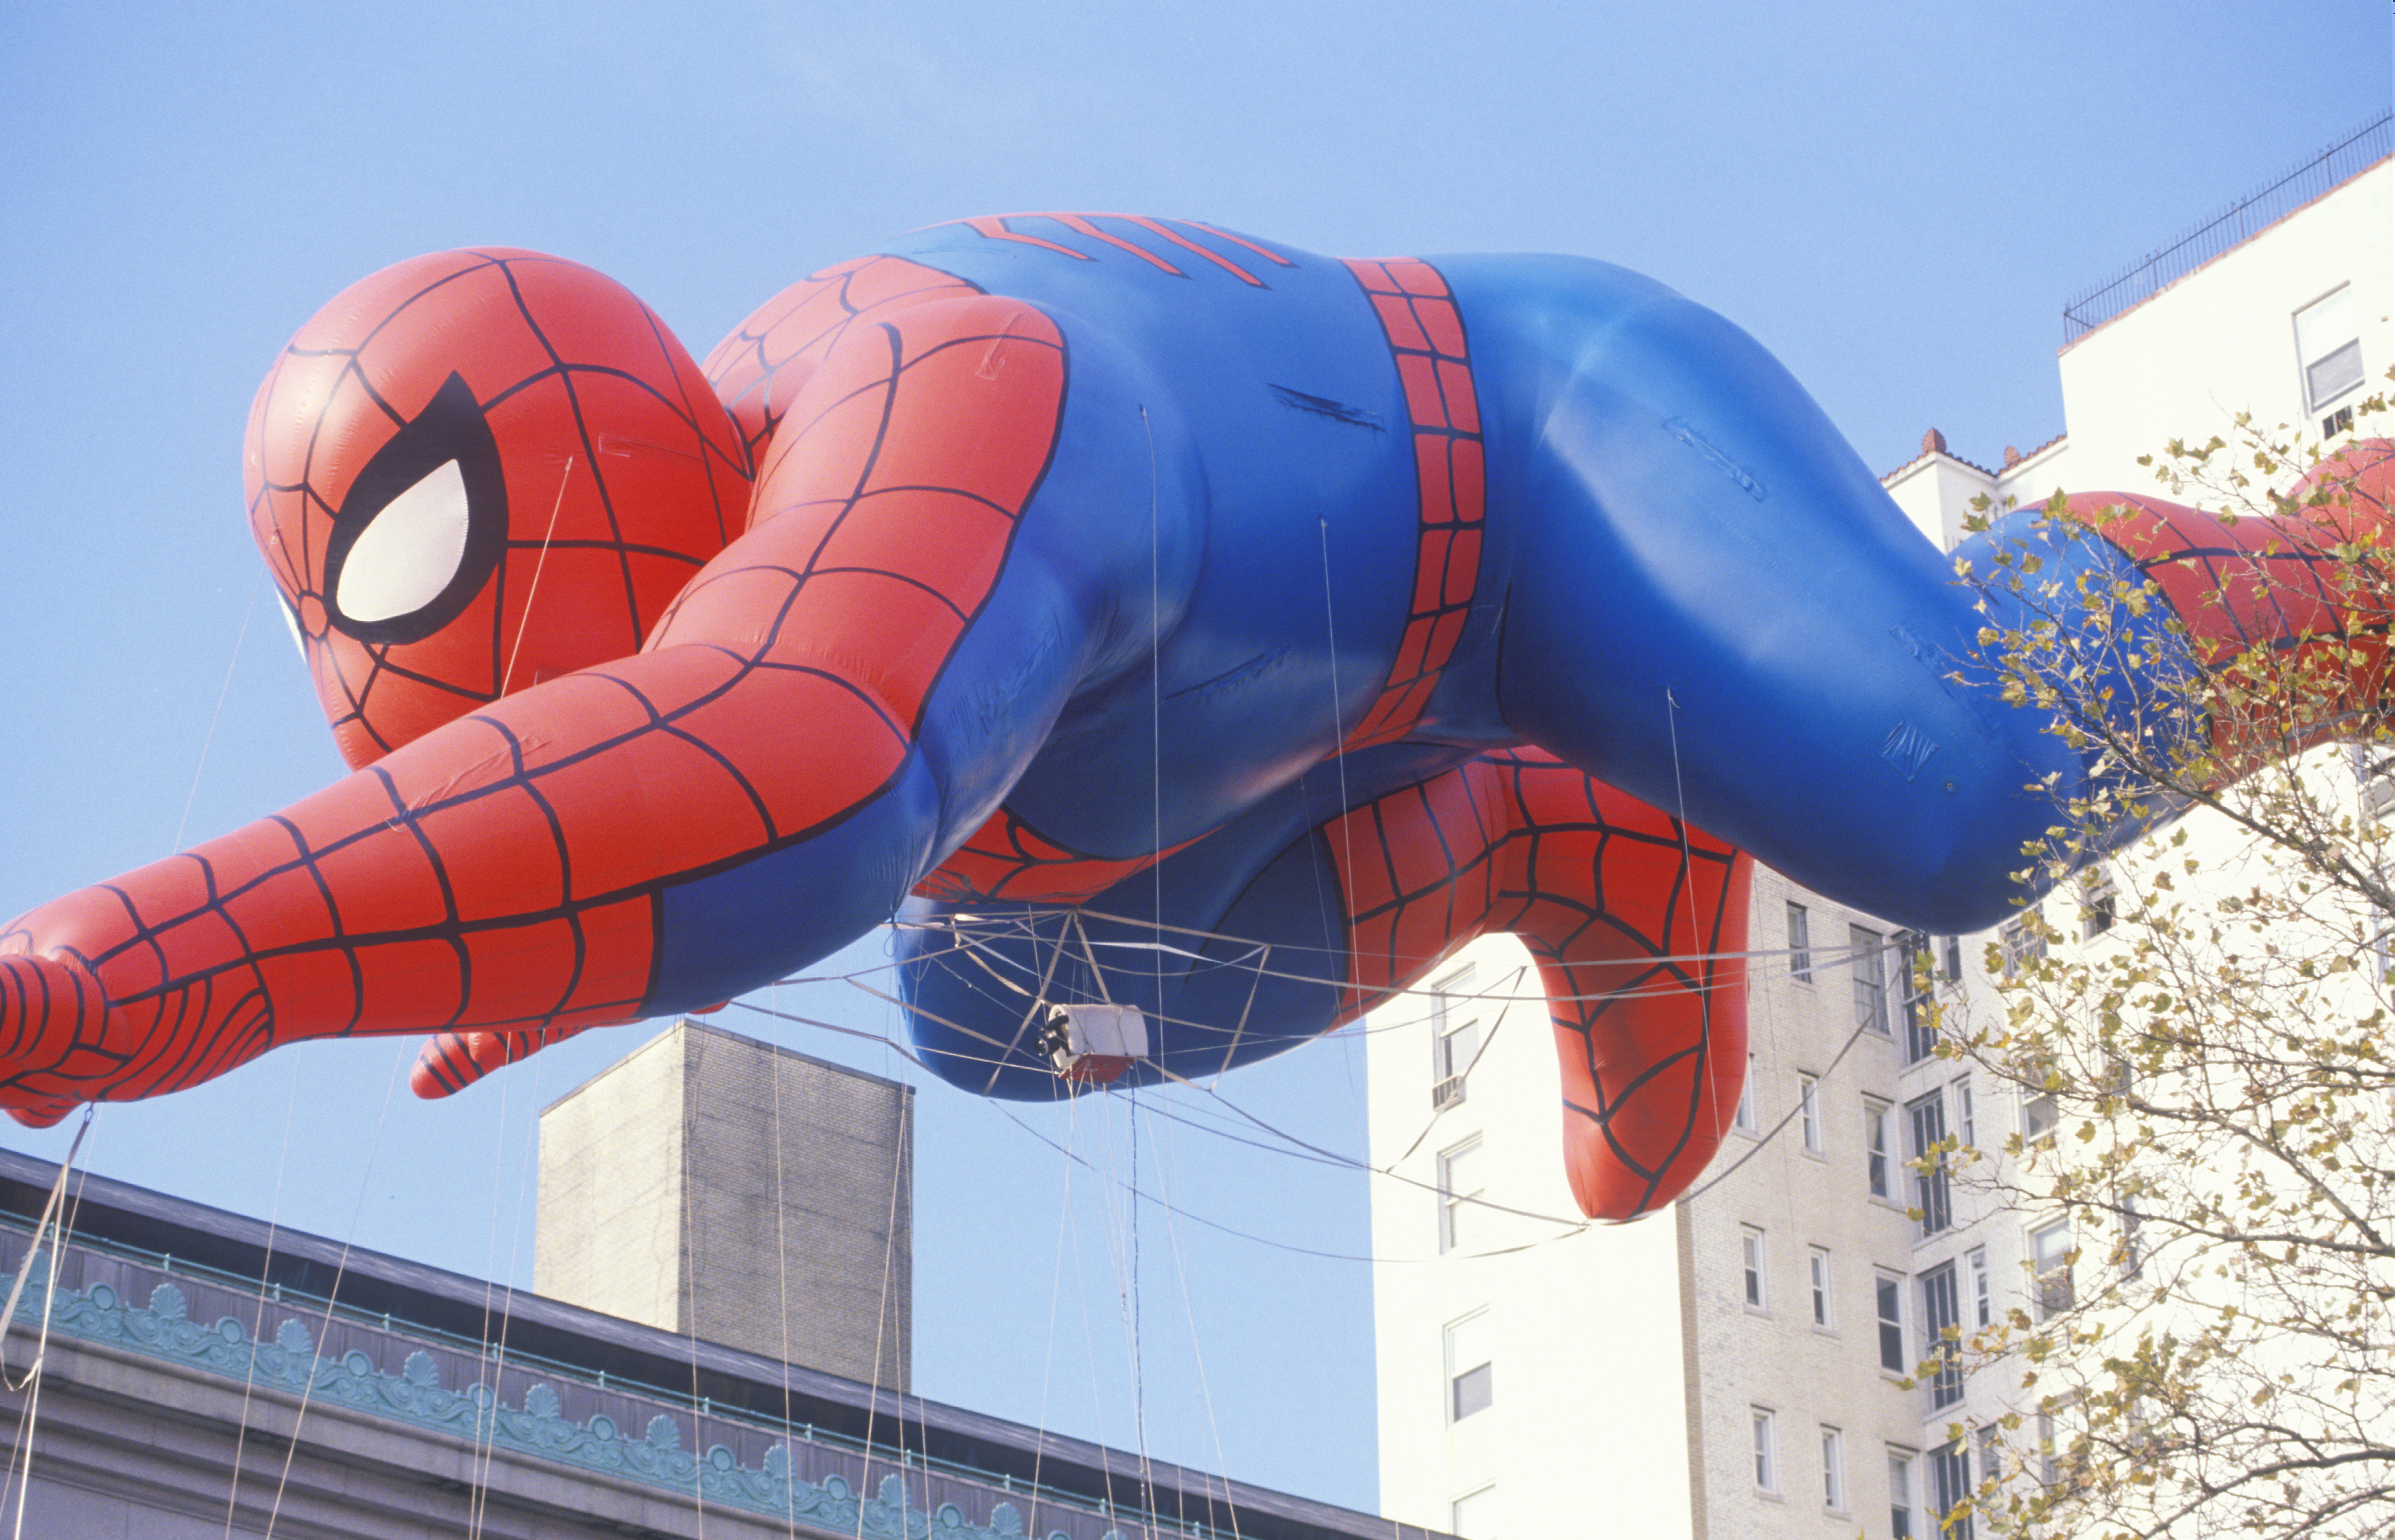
pixel 1091 567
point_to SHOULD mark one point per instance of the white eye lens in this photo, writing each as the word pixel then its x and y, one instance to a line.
pixel 407 555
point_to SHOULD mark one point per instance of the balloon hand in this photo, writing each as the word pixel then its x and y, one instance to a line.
pixel 57 1047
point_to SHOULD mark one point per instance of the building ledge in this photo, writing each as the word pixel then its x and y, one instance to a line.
pixel 191 1289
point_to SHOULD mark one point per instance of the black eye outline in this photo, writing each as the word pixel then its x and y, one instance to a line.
pixel 450 428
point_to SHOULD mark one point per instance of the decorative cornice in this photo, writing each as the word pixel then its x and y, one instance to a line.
pixel 165 1332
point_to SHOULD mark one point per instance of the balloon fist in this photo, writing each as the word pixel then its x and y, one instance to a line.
pixel 53 1031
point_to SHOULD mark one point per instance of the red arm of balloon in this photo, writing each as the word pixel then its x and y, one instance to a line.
pixel 2306 583
pixel 503 873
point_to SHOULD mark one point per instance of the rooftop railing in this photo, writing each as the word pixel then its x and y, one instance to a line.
pixel 2151 274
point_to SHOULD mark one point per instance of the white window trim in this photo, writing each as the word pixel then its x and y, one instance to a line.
pixel 2099 900
pixel 1908 1463
pixel 1451 1200
pixel 2047 1283
pixel 1867 967
pixel 1457 1502
pixel 1754 1269
pixel 1880 1117
pixel 1834 1469
pixel 1809 1114
pixel 2305 365
pixel 1448 1083
pixel 1902 1324
pixel 1454 1372
pixel 2032 1136
pixel 1821 1287
pixel 1764 1427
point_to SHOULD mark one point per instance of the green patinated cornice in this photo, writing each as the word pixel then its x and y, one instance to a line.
pixel 414 1397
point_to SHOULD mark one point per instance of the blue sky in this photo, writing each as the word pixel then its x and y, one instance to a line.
pixel 1895 198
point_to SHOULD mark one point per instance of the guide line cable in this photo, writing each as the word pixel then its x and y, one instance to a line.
pixel 215 716
pixel 1197 1354
pixel 1312 1152
pixel 1208 1091
pixel 507 1298
pixel 1823 957
pixel 58 1222
pixel 693 1268
pixel 266 1265
pixel 1178 1079
pixel 1305 1151
pixel 782 1282
pixel 1048 1353
pixel 1647 986
pixel 332 1297
pixel 1155 871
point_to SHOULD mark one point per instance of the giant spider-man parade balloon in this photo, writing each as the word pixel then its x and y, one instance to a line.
pixel 1122 571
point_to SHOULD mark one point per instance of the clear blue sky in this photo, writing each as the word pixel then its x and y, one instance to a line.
pixel 1895 197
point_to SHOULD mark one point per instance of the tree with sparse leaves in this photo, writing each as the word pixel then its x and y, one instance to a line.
pixel 2205 1343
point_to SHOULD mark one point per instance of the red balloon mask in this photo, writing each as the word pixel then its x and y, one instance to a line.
pixel 525 507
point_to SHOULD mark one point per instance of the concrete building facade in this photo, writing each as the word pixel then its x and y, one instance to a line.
pixel 714 1185
pixel 1745 1365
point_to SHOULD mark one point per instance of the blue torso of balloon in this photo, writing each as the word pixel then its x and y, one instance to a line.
pixel 1690 586
pixel 1687 585
pixel 1257 431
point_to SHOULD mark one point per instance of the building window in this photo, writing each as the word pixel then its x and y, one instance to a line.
pixel 1899 1493
pixel 1800 945
pixel 1912 988
pixel 2049 1252
pixel 2038 1117
pixel 1460 1182
pixel 1964 1124
pixel 1834 1470
pixel 2328 345
pixel 1925 1119
pixel 2020 943
pixel 1950 1487
pixel 1991 1462
pixel 1877 1150
pixel 1870 967
pixel 1455 1039
pixel 1809 1105
pixel 2100 902
pixel 1748 1117
pixel 1474 1515
pixel 1470 1377
pixel 2373 772
pixel 1920 1024
pixel 1983 1305
pixel 1941 1322
pixel 1767 1460
pixel 1751 1259
pixel 2133 1243
pixel 1816 1265
pixel 1954 960
pixel 1890 1290
pixel 2049 1456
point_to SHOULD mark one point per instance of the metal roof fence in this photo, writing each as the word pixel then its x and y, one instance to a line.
pixel 2151 274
